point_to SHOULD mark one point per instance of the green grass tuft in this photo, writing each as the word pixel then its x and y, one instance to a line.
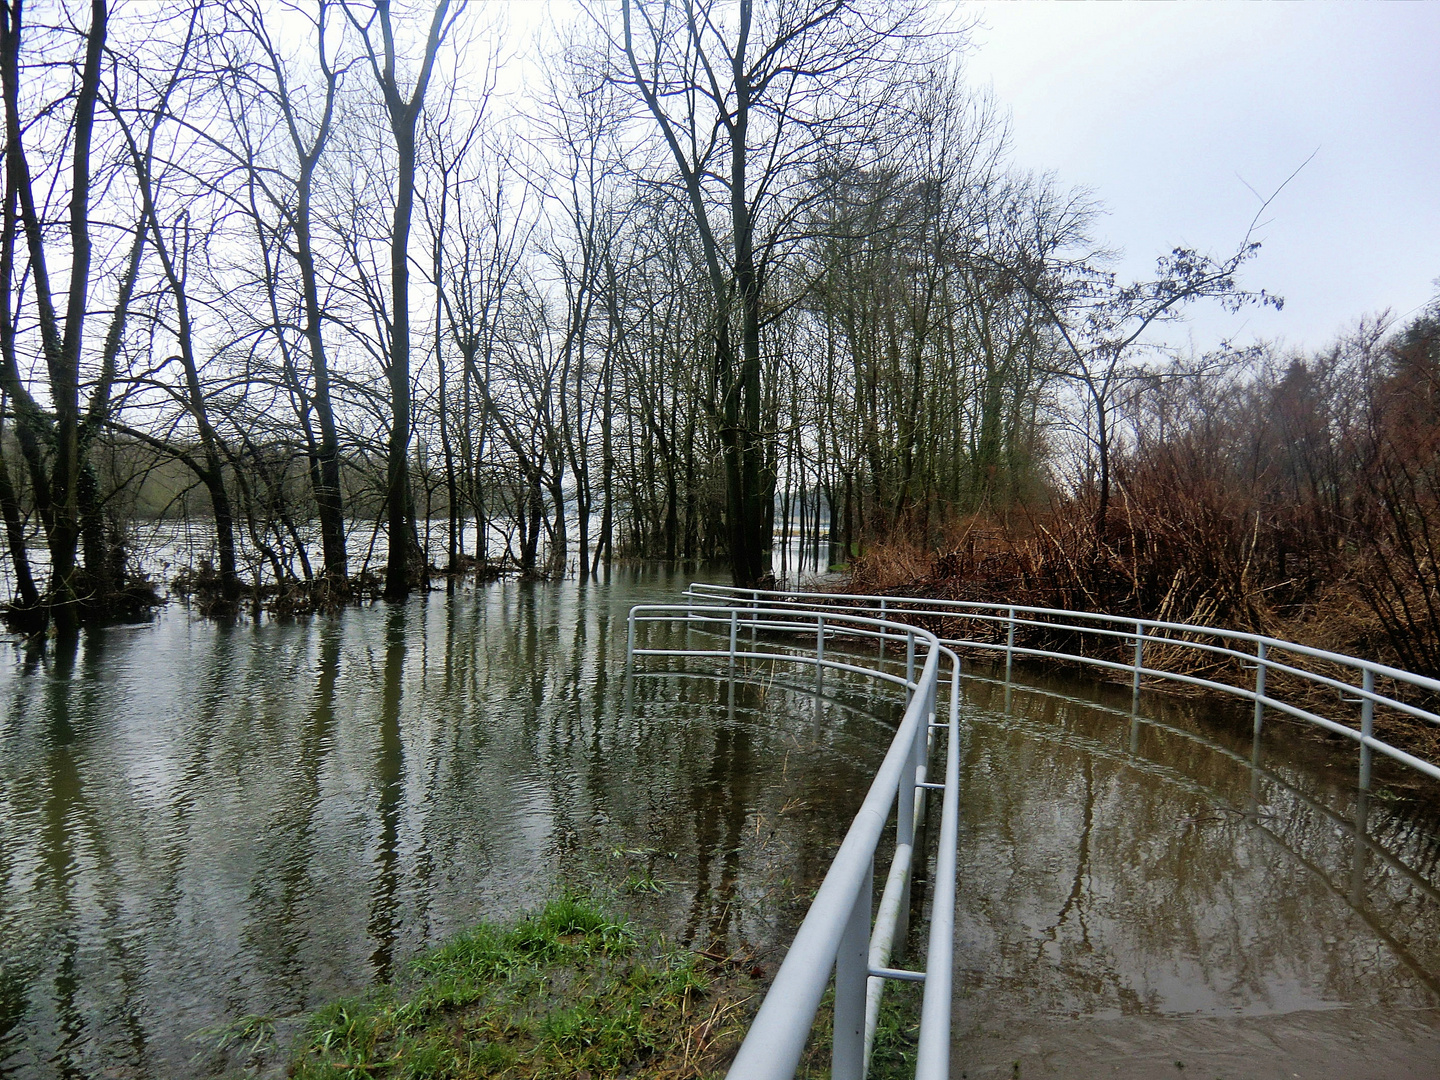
pixel 562 993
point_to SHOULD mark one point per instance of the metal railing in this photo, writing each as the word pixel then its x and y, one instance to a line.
pixel 1266 655
pixel 840 932
pixel 837 932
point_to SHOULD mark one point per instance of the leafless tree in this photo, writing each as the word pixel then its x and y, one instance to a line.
pixel 746 100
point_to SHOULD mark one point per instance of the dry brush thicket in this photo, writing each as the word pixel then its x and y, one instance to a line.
pixel 1292 496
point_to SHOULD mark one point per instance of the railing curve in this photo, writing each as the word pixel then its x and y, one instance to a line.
pixel 837 927
pixel 840 932
pixel 1264 654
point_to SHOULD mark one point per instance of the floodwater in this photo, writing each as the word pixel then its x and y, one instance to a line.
pixel 1158 896
pixel 200 823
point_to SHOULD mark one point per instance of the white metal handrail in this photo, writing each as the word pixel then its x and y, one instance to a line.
pixel 838 932
pixel 1203 639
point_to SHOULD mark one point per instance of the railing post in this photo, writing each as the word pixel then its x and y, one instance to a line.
pixel 1259 686
pixel 905 797
pixel 909 665
pixel 930 716
pixel 819 649
pixel 754 614
pixel 882 630
pixel 1010 645
pixel 1139 660
pixel 734 628
pixel 1367 727
pixel 630 641
pixel 852 971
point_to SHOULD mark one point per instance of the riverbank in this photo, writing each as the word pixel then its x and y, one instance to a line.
pixel 569 991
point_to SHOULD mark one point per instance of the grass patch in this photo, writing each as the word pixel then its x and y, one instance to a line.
pixel 897 1036
pixel 567 992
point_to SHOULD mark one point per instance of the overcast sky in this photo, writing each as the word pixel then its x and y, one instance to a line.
pixel 1167 111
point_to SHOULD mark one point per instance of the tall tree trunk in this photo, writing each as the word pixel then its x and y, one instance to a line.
pixel 61 347
pixel 404 114
pixel 15 533
pixel 397 471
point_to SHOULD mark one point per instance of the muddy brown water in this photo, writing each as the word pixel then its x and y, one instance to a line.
pixel 201 823
pixel 1158 896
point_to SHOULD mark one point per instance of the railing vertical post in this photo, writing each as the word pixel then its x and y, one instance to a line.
pixel 882 630
pixel 630 641
pixel 1367 727
pixel 1010 645
pixel 734 629
pixel 909 665
pixel 1139 661
pixel 905 798
pixel 819 648
pixel 1260 668
pixel 930 716
pixel 754 614
pixel 852 971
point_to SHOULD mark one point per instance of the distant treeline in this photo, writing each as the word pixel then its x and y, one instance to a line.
pixel 306 264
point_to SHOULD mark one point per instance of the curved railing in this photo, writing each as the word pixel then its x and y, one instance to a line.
pixel 838 933
pixel 1266 655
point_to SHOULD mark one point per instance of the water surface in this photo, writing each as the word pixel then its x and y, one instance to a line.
pixel 199 823
pixel 1157 895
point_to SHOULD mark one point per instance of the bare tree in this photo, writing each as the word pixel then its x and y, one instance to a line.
pixel 179 247
pixel 309 137
pixel 403 112
pixel 746 100
pixel 54 442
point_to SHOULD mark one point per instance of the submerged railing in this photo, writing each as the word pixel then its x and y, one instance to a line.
pixel 840 932
pixel 1265 655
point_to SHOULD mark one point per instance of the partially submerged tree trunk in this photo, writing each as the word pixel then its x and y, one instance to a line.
pixel 404 114
pixel 55 444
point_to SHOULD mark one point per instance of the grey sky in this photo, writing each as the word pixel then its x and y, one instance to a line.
pixel 1163 109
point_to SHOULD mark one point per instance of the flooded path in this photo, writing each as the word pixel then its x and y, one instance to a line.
pixel 199 824
pixel 1152 897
